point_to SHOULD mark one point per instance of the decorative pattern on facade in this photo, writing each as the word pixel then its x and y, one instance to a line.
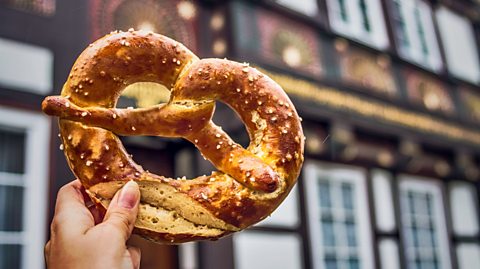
pixel 428 92
pixel 377 110
pixel 471 103
pixel 39 7
pixel 277 40
pixel 366 70
pixel 173 18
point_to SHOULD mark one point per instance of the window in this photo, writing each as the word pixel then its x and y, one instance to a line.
pixel 338 217
pixel 468 255
pixel 359 19
pixel 187 256
pixel 24 143
pixel 274 242
pixel 459 44
pixel 382 192
pixel 26 67
pixel 423 223
pixel 387 238
pixel 307 7
pixel 286 215
pixel 11 195
pixel 388 252
pixel 256 250
pixel 40 7
pixel 415 34
pixel 464 211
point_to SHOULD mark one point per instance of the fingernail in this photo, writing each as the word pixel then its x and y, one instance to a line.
pixel 129 195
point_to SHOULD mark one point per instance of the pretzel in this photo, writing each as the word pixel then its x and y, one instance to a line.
pixel 250 182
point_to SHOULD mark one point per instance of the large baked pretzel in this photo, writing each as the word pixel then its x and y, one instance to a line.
pixel 252 181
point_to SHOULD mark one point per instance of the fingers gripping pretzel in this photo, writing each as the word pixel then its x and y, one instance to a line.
pixel 252 181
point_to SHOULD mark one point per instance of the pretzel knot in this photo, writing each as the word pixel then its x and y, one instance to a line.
pixel 250 182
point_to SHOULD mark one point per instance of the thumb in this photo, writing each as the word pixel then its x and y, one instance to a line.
pixel 122 211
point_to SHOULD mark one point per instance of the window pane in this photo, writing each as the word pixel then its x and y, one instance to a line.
pixel 464 208
pixel 11 208
pixel 12 150
pixel 353 263
pixel 351 234
pixel 364 15
pixel 347 196
pixel 343 10
pixel 400 25
pixel 468 256
pixel 324 194
pixel 331 263
pixel 10 256
pixel 328 233
pixel 254 250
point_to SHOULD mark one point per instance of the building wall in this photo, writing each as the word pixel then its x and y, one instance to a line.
pixel 377 85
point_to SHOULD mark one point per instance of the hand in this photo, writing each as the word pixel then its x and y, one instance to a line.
pixel 77 242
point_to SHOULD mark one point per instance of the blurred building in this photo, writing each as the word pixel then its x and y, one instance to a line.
pixel 390 99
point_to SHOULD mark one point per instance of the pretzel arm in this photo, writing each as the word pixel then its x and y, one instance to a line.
pixel 161 120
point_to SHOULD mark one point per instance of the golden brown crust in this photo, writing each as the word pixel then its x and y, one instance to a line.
pixel 252 181
pixel 167 238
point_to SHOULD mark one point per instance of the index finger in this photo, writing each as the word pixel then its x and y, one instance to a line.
pixel 71 214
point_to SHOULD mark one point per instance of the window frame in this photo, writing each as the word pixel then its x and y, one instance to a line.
pixel 444 36
pixel 413 54
pixel 459 246
pixel 474 194
pixel 35 182
pixel 436 188
pixel 34 63
pixel 460 240
pixel 358 177
pixel 383 203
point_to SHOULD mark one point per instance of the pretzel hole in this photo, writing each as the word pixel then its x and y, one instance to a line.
pixel 225 117
pixel 143 94
pixel 231 123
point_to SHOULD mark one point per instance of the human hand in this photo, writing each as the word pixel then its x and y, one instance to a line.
pixel 77 242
